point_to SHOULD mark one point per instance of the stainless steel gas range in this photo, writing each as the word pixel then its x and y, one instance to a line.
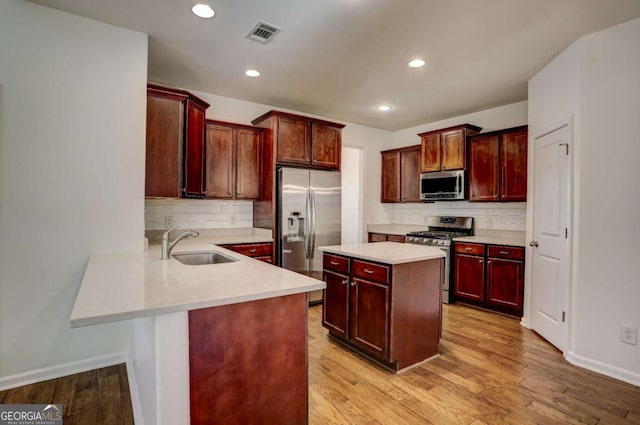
pixel 442 229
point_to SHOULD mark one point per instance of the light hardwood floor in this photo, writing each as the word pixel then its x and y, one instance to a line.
pixel 491 371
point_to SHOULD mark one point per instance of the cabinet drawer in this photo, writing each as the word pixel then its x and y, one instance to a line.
pixel 252 249
pixel 377 237
pixel 369 271
pixel 511 252
pixel 469 248
pixel 396 238
pixel 335 263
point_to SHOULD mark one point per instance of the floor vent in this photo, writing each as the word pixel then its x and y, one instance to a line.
pixel 263 32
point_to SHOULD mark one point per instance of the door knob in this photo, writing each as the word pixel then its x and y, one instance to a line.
pixel 533 244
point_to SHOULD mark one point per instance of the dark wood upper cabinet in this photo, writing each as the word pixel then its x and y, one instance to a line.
pixel 174 143
pixel 303 141
pixel 445 149
pixel 513 180
pixel 498 166
pixel 326 145
pixel 390 185
pixel 233 154
pixel 293 141
pixel 401 175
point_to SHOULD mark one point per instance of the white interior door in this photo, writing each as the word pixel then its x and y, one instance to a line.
pixel 551 255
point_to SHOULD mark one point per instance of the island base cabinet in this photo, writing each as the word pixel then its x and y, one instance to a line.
pixel 390 313
pixel 248 362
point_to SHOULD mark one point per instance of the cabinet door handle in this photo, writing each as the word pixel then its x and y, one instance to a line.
pixel 489 262
pixel 344 282
pixel 504 252
pixel 480 261
pixel 252 250
pixel 467 249
pixel 229 193
pixel 368 271
pixel 353 284
pixel 334 263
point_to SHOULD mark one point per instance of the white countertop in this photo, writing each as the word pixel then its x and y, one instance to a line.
pixel 395 229
pixel 386 252
pixel 125 286
pixel 496 237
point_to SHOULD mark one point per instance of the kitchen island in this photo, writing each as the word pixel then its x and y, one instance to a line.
pixel 213 343
pixel 384 300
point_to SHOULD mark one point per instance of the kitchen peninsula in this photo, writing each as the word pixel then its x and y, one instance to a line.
pixel 384 300
pixel 216 342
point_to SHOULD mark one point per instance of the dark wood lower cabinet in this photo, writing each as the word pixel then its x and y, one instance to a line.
pixel 492 278
pixel 248 362
pixel 389 313
pixel 383 237
pixel 260 251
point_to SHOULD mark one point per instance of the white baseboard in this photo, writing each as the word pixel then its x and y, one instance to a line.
pixel 524 322
pixel 61 370
pixel 603 368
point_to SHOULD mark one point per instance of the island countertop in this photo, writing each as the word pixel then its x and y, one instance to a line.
pixel 124 286
pixel 386 252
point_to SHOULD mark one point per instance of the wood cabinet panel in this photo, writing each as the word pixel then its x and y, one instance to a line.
pixel 445 149
pixel 513 180
pixel 335 311
pixel 377 237
pixel 469 248
pixel 469 277
pixel 396 238
pixel 248 362
pixel 370 271
pixel 326 144
pixel 194 152
pixel 508 252
pixel 165 127
pixel 505 282
pixel 369 313
pixel 252 249
pixel 293 141
pixel 430 153
pixel 453 150
pixel 220 182
pixel 248 152
pixel 498 166
pixel 484 168
pixel 410 175
pixel 390 185
pixel 336 263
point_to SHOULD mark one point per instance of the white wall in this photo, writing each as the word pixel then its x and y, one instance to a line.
pixel 596 80
pixel 73 103
pixel 352 201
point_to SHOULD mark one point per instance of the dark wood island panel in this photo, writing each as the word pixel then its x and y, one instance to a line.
pixel 248 362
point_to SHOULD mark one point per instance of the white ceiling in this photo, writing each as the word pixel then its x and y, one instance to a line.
pixel 342 58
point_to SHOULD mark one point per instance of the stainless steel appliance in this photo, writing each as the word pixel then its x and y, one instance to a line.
pixel 308 216
pixel 442 186
pixel 441 230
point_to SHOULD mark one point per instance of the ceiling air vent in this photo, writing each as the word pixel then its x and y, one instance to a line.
pixel 263 32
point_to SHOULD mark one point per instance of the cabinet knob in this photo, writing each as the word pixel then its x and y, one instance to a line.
pixel 489 262
pixel 353 284
pixel 480 261
pixel 467 249
pixel 229 193
pixel 344 282
pixel 252 250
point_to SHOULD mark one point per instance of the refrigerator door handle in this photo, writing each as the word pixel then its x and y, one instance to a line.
pixel 312 245
pixel 307 224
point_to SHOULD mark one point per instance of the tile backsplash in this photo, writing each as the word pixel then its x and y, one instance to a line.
pixel 489 215
pixel 196 214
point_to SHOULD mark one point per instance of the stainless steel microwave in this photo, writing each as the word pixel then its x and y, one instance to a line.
pixel 442 186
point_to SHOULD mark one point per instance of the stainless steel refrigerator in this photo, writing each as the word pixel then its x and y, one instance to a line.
pixel 308 216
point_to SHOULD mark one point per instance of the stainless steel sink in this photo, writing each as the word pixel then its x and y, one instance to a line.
pixel 201 258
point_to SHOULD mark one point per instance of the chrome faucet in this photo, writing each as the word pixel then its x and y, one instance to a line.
pixel 168 246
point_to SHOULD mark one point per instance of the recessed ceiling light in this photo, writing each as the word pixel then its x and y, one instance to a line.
pixel 384 108
pixel 416 63
pixel 252 73
pixel 203 10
